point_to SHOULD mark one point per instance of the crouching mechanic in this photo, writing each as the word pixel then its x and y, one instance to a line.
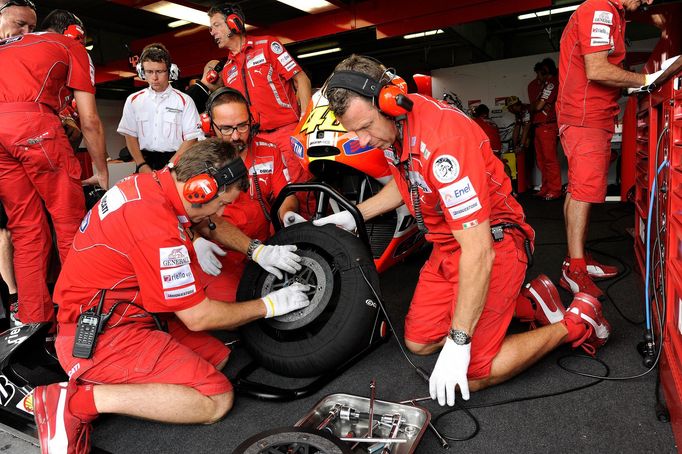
pixel 468 290
pixel 229 117
pixel 153 347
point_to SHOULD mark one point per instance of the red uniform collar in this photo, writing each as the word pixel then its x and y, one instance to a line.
pixel 167 184
pixel 245 45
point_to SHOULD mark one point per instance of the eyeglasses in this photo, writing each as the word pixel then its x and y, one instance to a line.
pixel 227 130
pixel 27 3
pixel 151 72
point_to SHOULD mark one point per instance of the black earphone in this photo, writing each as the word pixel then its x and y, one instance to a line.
pixel 389 94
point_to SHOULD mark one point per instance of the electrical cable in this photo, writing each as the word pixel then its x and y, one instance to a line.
pixel 424 375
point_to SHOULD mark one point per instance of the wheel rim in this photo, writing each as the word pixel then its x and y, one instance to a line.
pixel 316 273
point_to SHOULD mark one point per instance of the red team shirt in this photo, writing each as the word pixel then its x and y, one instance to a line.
pixel 264 162
pixel 33 81
pixel 461 182
pixel 268 69
pixel 152 264
pixel 598 25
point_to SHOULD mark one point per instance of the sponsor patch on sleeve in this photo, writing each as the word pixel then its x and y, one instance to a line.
pixel 465 209
pixel 603 17
pixel 600 35
pixel 177 276
pixel 291 65
pixel 284 58
pixel 276 48
pixel 173 256
pixel 445 168
pixel 180 292
pixel 458 192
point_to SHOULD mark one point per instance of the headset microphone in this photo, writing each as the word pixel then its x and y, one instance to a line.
pixel 211 224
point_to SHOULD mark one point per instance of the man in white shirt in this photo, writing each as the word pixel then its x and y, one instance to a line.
pixel 158 121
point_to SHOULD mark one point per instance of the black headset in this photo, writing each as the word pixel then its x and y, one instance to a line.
pixel 207 116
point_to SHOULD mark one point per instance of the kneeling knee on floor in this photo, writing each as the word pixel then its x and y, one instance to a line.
pixel 222 404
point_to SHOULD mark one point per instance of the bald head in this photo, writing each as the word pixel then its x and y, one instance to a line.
pixel 16 20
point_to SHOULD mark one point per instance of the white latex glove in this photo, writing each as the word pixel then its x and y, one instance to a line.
pixel 286 300
pixel 291 218
pixel 341 219
pixel 450 371
pixel 275 258
pixel 206 253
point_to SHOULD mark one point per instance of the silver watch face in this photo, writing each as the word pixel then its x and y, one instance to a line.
pixel 459 337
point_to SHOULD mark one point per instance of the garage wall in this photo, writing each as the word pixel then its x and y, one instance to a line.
pixel 110 111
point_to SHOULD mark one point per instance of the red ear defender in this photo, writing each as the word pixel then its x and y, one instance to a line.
pixel 206 125
pixel 200 189
pixel 235 23
pixel 74 31
pixel 392 99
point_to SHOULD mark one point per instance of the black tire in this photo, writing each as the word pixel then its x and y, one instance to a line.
pixel 340 320
pixel 292 440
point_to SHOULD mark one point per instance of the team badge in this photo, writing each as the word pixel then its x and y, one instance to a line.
pixel 276 47
pixel 445 168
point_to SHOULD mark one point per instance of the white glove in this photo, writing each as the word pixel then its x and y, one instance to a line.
pixel 450 371
pixel 286 300
pixel 341 219
pixel 291 218
pixel 206 253
pixel 275 258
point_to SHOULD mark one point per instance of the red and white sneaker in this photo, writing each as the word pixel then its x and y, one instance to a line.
pixel 545 300
pixel 587 310
pixel 59 430
pixel 579 281
pixel 595 270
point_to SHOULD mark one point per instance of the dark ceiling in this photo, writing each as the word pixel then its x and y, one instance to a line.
pixel 111 24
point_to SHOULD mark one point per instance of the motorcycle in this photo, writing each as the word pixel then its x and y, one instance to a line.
pixel 335 157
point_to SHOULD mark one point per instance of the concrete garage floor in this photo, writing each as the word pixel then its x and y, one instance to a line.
pixel 609 416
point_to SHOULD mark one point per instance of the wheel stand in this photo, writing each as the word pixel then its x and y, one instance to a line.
pixel 243 385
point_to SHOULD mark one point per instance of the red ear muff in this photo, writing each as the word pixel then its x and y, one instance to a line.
pixel 392 100
pixel 76 32
pixel 206 125
pixel 200 189
pixel 235 23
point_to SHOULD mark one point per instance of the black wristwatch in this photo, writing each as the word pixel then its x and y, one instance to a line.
pixel 459 337
pixel 253 245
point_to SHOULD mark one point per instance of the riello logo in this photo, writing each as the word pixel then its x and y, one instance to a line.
pixel 175 276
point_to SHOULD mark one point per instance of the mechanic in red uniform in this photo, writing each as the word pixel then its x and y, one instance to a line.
pixel 481 118
pixel 276 87
pixel 17 17
pixel 591 78
pixel 542 94
pixel 37 164
pixel 230 120
pixel 468 290
pixel 133 251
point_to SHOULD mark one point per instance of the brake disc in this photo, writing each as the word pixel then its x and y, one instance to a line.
pixel 317 274
pixel 292 440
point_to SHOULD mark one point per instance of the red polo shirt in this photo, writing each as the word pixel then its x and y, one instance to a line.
pixel 133 243
pixel 596 26
pixel 460 181
pixel 268 68
pixel 26 77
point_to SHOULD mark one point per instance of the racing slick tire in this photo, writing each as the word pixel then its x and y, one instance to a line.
pixel 343 311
